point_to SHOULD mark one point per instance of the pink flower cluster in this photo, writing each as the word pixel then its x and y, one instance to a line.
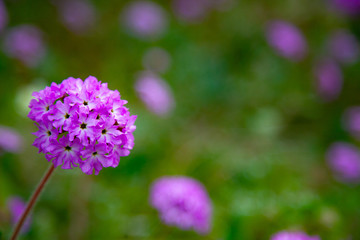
pixel 285 235
pixel 82 124
pixel 17 206
pixel 344 160
pixel 287 40
pixel 182 202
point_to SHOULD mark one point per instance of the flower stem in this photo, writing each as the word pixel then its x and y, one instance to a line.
pixel 32 202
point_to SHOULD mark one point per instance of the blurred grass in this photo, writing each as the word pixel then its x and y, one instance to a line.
pixel 247 124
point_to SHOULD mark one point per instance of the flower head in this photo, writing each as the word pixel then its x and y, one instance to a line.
pixel 286 39
pixel 25 43
pixel 78 16
pixel 155 93
pixel 344 161
pixel 329 79
pixel 286 235
pixel 144 19
pixel 82 124
pixel 17 206
pixel 182 202
pixel 10 140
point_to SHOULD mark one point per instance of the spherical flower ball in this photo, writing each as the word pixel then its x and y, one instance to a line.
pixel 25 43
pixel 82 124
pixel 144 19
pixel 182 202
pixel 351 7
pixel 351 121
pixel 286 39
pixel 10 140
pixel 344 46
pixel 16 207
pixel 155 93
pixel 78 16
pixel 329 79
pixel 344 161
pixel 3 16
pixel 287 235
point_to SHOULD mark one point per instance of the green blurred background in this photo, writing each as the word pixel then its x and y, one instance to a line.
pixel 247 123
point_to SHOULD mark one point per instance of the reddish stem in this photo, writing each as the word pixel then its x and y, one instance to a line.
pixel 32 202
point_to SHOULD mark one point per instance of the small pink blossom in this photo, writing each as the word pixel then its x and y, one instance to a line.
pixel 288 235
pixel 155 93
pixel 182 202
pixel 25 43
pixel 17 206
pixel 144 19
pixel 286 39
pixel 65 153
pixel 79 16
pixel 344 161
pixel 10 140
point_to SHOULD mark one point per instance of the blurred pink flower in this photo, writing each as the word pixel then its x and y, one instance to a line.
pixel 25 43
pixel 155 93
pixel 344 161
pixel 10 140
pixel 17 206
pixel 287 235
pixel 182 202
pixel 144 19
pixel 344 46
pixel 286 39
pixel 156 60
pixel 78 16
pixel 329 79
pixel 351 7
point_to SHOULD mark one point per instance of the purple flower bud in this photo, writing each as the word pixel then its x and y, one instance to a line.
pixel 191 10
pixel 17 206
pixel 10 140
pixel 156 60
pixel 182 202
pixel 144 19
pixel 285 235
pixel 344 161
pixel 351 121
pixel 3 16
pixel 351 7
pixel 78 16
pixel 82 124
pixel 155 93
pixel 329 79
pixel 344 46
pixel 286 39
pixel 25 43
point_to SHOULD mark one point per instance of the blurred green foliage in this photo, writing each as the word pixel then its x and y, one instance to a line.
pixel 247 124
